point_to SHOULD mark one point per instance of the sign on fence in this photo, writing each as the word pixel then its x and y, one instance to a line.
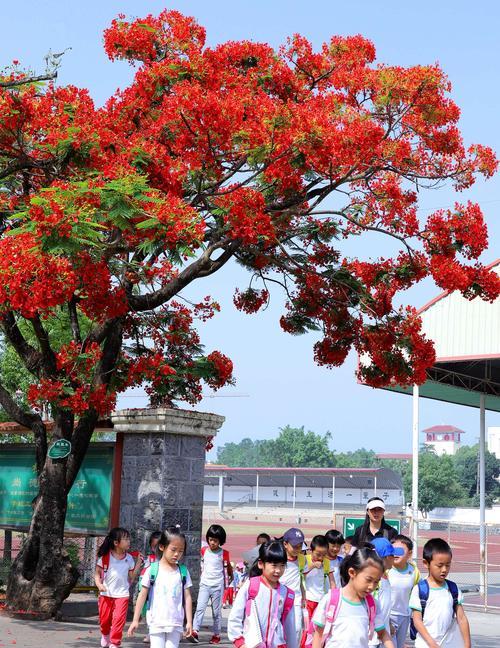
pixel 88 501
pixel 352 523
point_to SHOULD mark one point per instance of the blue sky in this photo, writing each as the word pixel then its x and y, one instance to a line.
pixel 277 380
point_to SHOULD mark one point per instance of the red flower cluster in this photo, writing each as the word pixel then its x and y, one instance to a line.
pixel 245 215
pixel 223 370
pixel 251 300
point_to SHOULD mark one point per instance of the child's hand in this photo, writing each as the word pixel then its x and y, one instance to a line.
pixel 317 564
pixel 102 587
pixel 189 630
pixel 132 628
pixel 433 644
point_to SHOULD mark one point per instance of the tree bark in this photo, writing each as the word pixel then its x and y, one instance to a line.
pixel 42 575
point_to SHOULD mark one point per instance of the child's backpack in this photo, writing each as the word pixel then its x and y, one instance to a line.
pixel 253 590
pixel 331 614
pixel 153 574
pixel 306 560
pixel 416 574
pixel 423 594
pixel 225 562
pixel 105 564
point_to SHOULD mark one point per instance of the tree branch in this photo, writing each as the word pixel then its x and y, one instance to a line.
pixel 48 355
pixel 202 267
pixel 31 357
pixel 49 76
pixel 73 320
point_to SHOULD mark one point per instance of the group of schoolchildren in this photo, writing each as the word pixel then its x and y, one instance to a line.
pixel 340 593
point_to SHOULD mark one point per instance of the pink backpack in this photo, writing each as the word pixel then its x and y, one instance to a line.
pixel 331 614
pixel 253 590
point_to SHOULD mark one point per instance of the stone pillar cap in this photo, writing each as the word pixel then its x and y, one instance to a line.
pixel 166 420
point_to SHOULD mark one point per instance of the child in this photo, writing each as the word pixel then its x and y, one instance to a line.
pixel 387 552
pixel 318 577
pixel 293 541
pixel 151 557
pixel 437 603
pixel 272 612
pixel 216 566
pixel 115 571
pixel 166 590
pixel 348 547
pixel 348 617
pixel 335 543
pixel 402 577
pixel 228 598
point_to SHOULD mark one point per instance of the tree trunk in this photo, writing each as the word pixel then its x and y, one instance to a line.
pixel 42 575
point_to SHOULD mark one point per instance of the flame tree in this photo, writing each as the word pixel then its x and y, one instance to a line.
pixel 238 152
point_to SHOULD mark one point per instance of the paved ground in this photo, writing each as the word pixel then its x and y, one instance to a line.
pixel 85 633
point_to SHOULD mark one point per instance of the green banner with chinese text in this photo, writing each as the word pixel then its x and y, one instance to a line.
pixel 88 501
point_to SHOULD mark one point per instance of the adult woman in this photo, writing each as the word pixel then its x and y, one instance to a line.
pixel 374 525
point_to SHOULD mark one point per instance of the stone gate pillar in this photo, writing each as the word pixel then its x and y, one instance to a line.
pixel 162 476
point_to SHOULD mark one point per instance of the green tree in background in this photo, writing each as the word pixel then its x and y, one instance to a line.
pixel 466 466
pixel 293 448
pixel 245 454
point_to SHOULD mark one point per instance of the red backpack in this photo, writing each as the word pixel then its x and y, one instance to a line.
pixel 331 614
pixel 225 561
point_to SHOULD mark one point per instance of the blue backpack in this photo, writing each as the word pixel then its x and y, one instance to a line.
pixel 153 573
pixel 423 593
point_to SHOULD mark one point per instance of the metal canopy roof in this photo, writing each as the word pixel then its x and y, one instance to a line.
pixel 309 477
pixel 466 336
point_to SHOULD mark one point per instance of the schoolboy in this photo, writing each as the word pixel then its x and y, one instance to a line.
pixel 316 570
pixel 403 577
pixel 293 540
pixel 216 571
pixel 335 543
pixel 437 603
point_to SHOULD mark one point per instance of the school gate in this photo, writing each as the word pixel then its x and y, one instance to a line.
pixel 151 477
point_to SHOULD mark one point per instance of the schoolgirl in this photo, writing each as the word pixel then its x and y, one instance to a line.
pixel 166 591
pixel 215 573
pixel 349 617
pixel 151 557
pixel 263 611
pixel 115 571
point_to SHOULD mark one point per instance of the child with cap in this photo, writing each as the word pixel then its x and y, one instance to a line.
pixel 403 576
pixel 374 525
pixel 293 540
pixel 382 594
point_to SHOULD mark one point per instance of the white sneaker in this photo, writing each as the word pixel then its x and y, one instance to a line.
pixel 104 641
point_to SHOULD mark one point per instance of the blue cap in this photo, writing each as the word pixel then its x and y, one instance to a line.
pixel 384 548
pixel 294 537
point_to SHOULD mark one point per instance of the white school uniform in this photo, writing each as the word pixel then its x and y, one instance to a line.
pixel 438 617
pixel 383 598
pixel 269 605
pixel 166 612
pixel 292 579
pixel 335 569
pixel 116 576
pixel 212 573
pixel 316 584
pixel 351 626
pixel 402 582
